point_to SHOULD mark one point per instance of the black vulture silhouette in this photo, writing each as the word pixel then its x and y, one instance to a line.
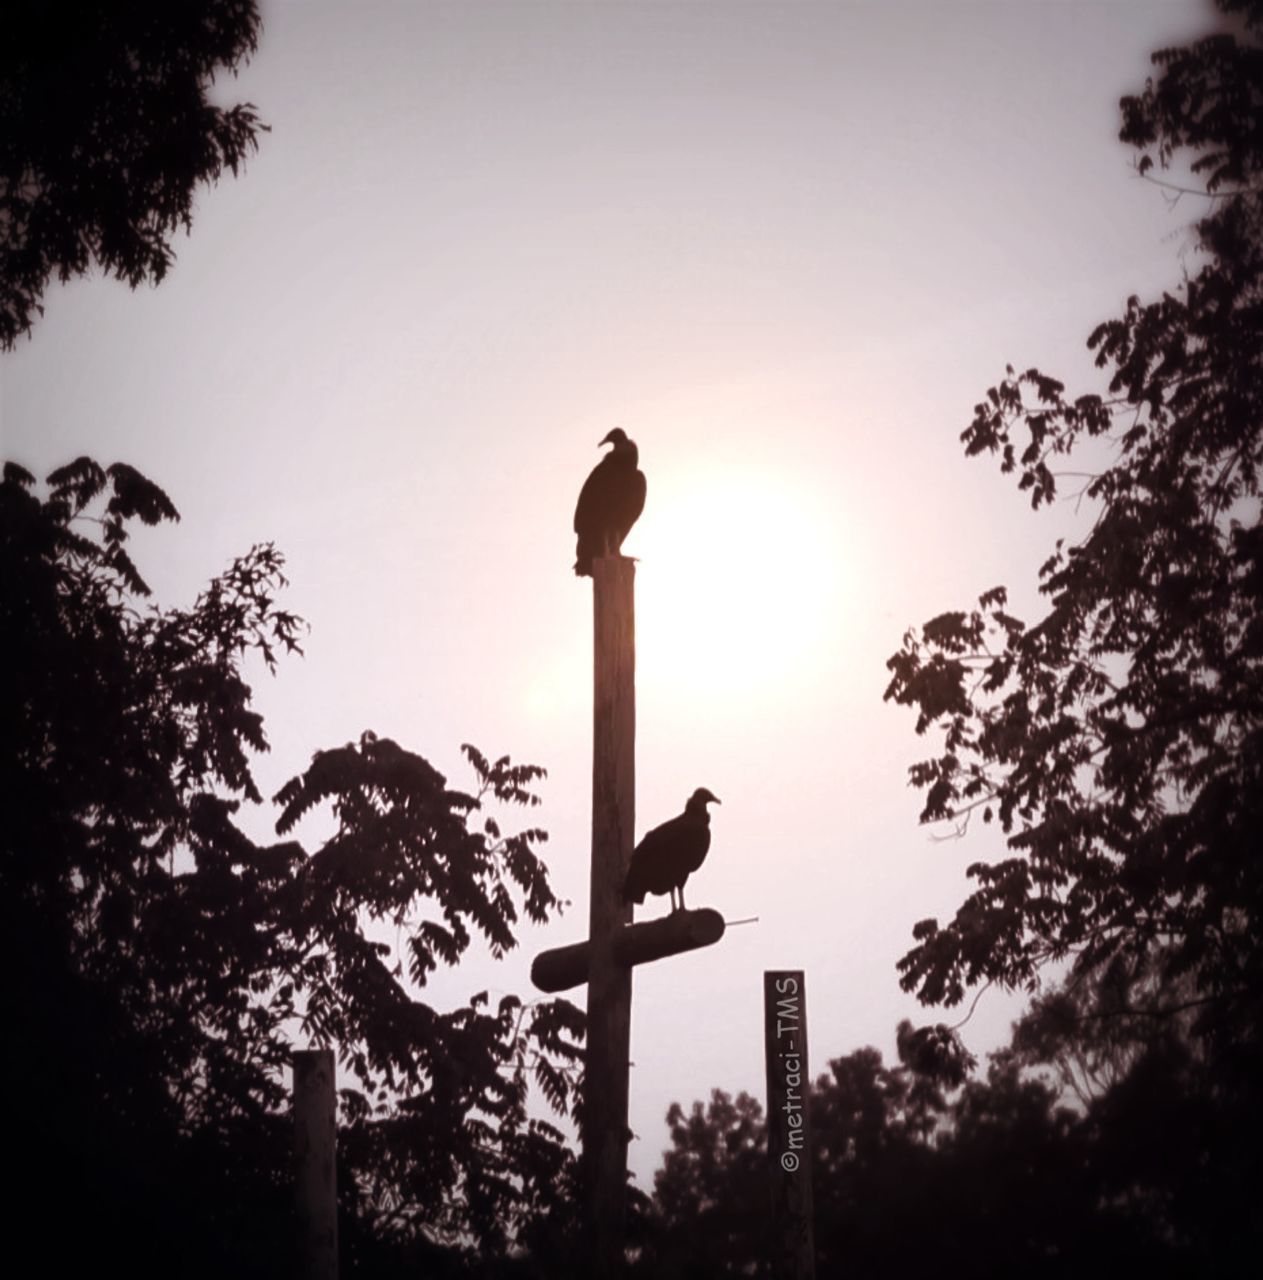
pixel 610 502
pixel 669 854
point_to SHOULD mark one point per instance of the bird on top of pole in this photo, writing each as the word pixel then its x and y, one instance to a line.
pixel 610 502
pixel 670 853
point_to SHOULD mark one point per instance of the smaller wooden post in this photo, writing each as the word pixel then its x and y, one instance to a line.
pixel 788 1123
pixel 315 1173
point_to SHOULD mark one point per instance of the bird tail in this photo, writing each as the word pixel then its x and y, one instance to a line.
pixel 584 553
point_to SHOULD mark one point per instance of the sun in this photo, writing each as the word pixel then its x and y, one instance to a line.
pixel 738 588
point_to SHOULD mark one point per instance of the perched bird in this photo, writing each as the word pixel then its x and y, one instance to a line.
pixel 669 854
pixel 610 502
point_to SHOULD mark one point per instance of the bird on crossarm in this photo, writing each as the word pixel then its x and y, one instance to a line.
pixel 670 853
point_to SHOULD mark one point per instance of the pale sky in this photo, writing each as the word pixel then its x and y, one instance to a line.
pixel 786 247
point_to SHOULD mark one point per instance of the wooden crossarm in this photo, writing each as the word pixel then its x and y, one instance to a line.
pixel 565 967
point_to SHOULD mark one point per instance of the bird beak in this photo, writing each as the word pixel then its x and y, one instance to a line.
pixel 609 438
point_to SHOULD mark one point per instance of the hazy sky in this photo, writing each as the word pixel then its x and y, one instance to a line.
pixel 787 247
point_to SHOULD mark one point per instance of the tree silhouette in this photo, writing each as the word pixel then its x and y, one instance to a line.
pixel 700 1221
pixel 1118 743
pixel 1118 740
pixel 926 1166
pixel 158 961
pixel 1171 1118
pixel 108 131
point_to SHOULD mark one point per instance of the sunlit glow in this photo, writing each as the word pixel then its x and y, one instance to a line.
pixel 738 589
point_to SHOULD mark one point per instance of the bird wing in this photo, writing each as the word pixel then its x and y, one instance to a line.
pixel 652 867
pixel 592 498
pixel 699 845
pixel 631 502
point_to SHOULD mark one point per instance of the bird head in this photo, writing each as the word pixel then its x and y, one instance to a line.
pixel 701 798
pixel 616 437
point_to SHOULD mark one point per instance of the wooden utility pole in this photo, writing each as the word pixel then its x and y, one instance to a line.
pixel 614 945
pixel 609 982
pixel 315 1172
pixel 788 1123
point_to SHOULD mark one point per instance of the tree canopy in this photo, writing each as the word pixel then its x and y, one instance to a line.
pixel 1117 742
pixel 109 129
pixel 160 963
pixel 1118 739
pixel 1088 1144
pixel 917 1169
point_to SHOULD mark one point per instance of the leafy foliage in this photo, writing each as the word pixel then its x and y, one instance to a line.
pixel 1117 743
pixel 701 1221
pixel 109 130
pixel 926 1166
pixel 1118 740
pixel 885 1204
pixel 172 959
pixel 709 1213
